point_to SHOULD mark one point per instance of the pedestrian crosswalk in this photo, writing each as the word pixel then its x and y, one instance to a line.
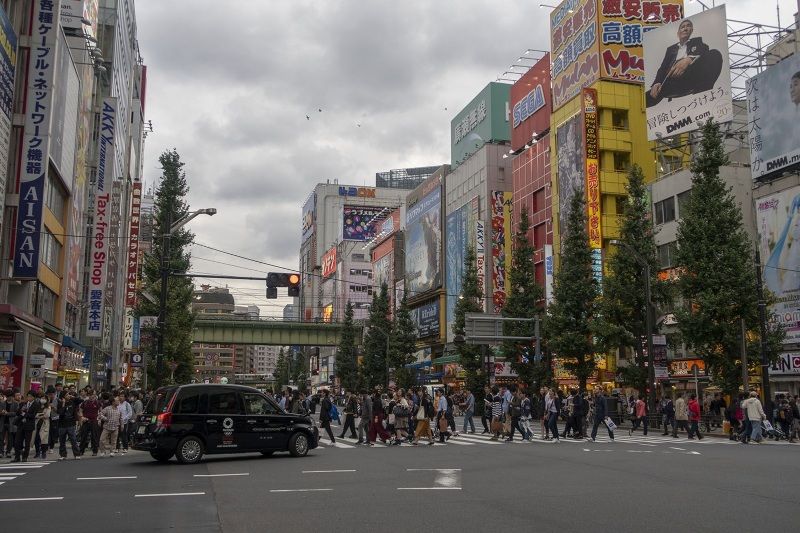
pixel 476 439
pixel 12 471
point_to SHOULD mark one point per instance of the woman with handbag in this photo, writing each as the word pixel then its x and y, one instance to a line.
pixel 423 416
pixel 401 412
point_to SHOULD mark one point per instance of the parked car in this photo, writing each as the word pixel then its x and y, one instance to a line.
pixel 189 421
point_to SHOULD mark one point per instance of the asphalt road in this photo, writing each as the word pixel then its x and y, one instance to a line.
pixel 636 483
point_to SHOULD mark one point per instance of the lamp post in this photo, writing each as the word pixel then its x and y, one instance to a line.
pixel 162 303
pixel 651 370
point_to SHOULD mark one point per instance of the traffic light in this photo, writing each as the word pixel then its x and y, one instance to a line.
pixel 283 279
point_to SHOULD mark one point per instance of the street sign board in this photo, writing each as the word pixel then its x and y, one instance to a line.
pixel 483 328
pixel 37 358
pixel 137 360
pixel 35 372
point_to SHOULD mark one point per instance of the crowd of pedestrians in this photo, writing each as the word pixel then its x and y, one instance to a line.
pixel 50 420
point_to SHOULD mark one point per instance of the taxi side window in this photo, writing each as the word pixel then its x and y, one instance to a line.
pixel 255 404
pixel 188 403
pixel 223 403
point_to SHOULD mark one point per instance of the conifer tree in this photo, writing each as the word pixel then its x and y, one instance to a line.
pixel 469 301
pixel 346 355
pixel 170 206
pixel 282 369
pixel 402 346
pixel 569 316
pixel 379 326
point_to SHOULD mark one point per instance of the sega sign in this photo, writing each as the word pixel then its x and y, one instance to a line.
pixel 529 105
pixel 361 192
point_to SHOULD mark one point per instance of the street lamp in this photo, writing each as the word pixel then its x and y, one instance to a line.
pixel 162 304
pixel 651 370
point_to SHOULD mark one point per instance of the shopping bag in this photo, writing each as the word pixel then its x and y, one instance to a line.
pixel 443 425
pixel 768 425
pixel 610 423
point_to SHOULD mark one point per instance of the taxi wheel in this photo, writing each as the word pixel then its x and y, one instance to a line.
pixel 161 456
pixel 190 450
pixel 298 445
pixel 267 453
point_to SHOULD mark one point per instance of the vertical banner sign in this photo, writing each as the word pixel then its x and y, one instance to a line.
pixel 549 272
pixel 35 152
pixel 8 62
pixel 127 333
pixel 98 255
pixel 133 245
pixel 480 259
pixel 592 175
pixel 500 205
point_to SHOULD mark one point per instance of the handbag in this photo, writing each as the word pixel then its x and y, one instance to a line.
pixel 497 426
pixel 420 413
pixel 391 419
pixel 443 425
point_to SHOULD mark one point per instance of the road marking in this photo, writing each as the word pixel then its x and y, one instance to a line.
pixel 9 478
pixel 639 451
pixel 693 453
pixel 169 494
pixel 428 488
pixel 222 475
pixel 31 499
pixel 107 477
pixel 679 449
pixel 325 471
pixel 301 490
pixel 15 466
pixel 4 473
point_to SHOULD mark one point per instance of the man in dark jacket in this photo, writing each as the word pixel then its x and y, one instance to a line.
pixel 325 414
pixel 350 412
pixel 26 425
pixel 67 418
pixel 689 67
pixel 366 417
pixel 600 414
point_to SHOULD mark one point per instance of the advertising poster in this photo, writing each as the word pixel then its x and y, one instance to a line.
pixel 500 204
pixel 622 28
pixel 687 74
pixel 778 219
pixel 773 113
pixel 359 222
pixel 8 63
pixel 329 262
pixel 549 272
pixel 480 259
pixel 133 245
pixel 424 244
pixel 592 151
pixel 309 210
pixel 573 46
pixel 456 248
pixel 426 319
pixel 569 143
pixel 382 269
pixel 787 364
pixel 35 149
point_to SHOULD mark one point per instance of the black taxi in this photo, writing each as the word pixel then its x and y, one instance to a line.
pixel 188 421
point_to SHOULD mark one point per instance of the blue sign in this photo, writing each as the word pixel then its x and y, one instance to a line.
pixel 136 332
pixel 6 357
pixel 456 248
pixel 87 358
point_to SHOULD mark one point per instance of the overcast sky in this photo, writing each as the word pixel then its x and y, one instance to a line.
pixel 230 84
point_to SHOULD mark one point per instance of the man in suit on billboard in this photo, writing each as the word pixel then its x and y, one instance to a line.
pixel 689 67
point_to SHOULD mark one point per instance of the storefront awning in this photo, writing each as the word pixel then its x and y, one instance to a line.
pixel 29 327
pixel 449 358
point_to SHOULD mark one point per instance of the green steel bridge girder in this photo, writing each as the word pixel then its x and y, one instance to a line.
pixel 267 332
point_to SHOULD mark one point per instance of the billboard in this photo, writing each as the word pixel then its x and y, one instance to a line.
pixel 530 103
pixel 778 219
pixel 592 151
pixel 8 62
pixel 308 218
pixel 329 262
pixel 382 270
pixel 569 146
pixel 687 74
pixel 455 249
pixel 500 211
pixel 773 109
pixel 573 45
pixel 787 364
pixel 133 245
pixel 99 242
pixel 35 149
pixel 622 25
pixel 359 222
pixel 424 243
pixel 483 120
pixel 426 319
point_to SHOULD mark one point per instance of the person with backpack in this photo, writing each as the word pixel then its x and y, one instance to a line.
pixel 424 415
pixel 667 409
pixel 325 414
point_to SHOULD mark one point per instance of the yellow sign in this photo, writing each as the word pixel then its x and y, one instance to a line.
pixel 327 313
pixel 622 25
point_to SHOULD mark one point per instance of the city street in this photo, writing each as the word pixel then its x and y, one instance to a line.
pixel 470 484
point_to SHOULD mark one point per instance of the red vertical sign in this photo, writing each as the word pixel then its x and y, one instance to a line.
pixel 133 245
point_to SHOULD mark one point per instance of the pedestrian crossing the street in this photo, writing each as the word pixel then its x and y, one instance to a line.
pixel 11 471
pixel 477 439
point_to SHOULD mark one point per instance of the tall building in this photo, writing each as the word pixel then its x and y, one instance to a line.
pixel 49 162
pixel 403 178
pixel 214 361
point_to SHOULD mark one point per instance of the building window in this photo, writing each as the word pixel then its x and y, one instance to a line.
pixel 683 202
pixel 539 236
pixel 671 163
pixel 621 202
pixel 51 251
pixel 666 254
pixel 54 197
pixel 619 119
pixel 538 201
pixel 357 257
pixel 665 210
pixel 46 304
pixel 622 161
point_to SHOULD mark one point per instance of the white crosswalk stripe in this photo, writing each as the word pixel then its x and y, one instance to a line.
pixel 11 471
